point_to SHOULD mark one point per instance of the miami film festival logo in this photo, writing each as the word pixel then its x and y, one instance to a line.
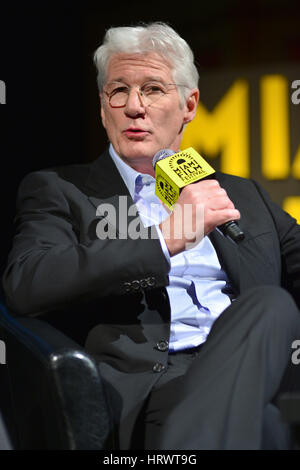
pixel 186 167
pixel 166 190
pixel 2 92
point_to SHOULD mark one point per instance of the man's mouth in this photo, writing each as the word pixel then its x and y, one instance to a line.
pixel 135 132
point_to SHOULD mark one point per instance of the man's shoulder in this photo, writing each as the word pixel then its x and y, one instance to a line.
pixel 75 174
pixel 55 177
pixel 71 170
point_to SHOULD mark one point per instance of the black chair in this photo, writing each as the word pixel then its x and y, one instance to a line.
pixel 52 396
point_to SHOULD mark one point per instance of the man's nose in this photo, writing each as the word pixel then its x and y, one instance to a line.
pixel 135 105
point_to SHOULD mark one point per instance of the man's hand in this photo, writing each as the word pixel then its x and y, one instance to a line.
pixel 200 208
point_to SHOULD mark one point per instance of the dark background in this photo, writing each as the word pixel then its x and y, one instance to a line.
pixel 52 114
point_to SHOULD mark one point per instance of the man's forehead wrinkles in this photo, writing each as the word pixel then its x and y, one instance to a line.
pixel 154 61
pixel 132 67
pixel 147 78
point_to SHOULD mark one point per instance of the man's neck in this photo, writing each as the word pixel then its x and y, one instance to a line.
pixel 140 166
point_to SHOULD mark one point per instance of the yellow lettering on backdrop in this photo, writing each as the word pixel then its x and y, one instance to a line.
pixel 275 149
pixel 225 130
pixel 291 205
pixel 296 165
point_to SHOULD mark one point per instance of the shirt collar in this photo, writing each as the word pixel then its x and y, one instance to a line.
pixel 128 174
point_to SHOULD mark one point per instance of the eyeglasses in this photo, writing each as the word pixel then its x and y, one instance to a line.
pixel 149 93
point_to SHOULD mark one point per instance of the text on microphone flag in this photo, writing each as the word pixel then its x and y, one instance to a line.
pixel 176 171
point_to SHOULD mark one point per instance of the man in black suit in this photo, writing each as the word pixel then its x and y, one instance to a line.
pixel 194 342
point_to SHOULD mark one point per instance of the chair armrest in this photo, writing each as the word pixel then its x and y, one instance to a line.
pixel 58 395
pixel 35 333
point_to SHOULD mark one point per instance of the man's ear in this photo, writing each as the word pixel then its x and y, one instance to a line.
pixel 102 112
pixel 191 104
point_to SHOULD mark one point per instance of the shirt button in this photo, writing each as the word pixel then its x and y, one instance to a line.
pixel 162 345
pixel 158 367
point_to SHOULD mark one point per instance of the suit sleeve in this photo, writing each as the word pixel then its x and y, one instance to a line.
pixel 289 237
pixel 48 267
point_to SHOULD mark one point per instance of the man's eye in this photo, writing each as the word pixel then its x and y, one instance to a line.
pixel 153 89
pixel 119 90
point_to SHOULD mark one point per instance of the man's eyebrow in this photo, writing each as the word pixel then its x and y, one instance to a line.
pixel 120 79
pixel 149 78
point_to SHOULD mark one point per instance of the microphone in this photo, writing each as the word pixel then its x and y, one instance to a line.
pixel 174 171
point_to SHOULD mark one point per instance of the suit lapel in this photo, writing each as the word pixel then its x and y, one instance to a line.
pixel 228 254
pixel 104 180
pixel 106 188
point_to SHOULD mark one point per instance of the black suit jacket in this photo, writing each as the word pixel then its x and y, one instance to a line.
pixel 112 293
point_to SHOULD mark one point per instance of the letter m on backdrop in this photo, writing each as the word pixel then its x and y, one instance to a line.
pixel 224 130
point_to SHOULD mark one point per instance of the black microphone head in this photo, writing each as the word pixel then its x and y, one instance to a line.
pixel 161 154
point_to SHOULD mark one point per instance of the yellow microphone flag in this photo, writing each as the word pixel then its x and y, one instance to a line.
pixel 177 171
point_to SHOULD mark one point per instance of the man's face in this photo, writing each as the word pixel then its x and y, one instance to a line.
pixel 136 131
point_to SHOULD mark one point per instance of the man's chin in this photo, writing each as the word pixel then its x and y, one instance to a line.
pixel 139 151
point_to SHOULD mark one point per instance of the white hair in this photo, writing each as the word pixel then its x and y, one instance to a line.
pixel 155 37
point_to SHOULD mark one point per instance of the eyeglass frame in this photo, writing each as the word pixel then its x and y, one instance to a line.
pixel 110 95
